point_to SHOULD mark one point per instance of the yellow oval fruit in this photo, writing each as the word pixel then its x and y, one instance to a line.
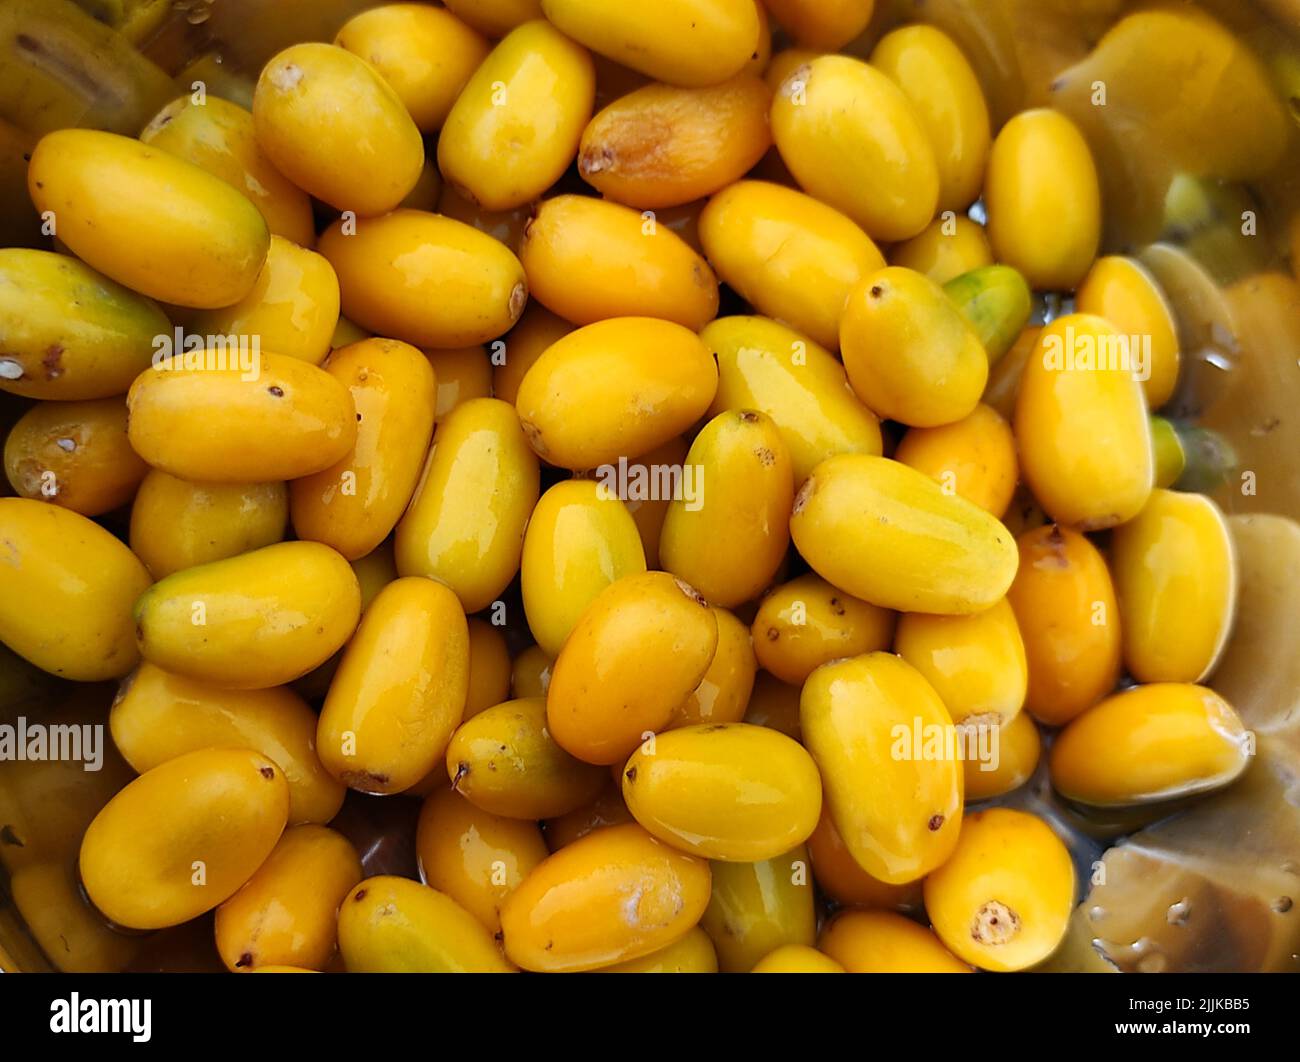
pixel 330 123
pixel 589 260
pixel 884 743
pixel 148 219
pixel 807 622
pixel 66 591
pixel 463 373
pixel 253 621
pixel 515 127
pixel 693 954
pixel 70 332
pixel 527 341
pixel 945 250
pixel 843 880
pixel 882 942
pixel 615 389
pixel 476 858
pixel 910 354
pixel 223 417
pixel 287 913
pixel 662 146
pixel 580 539
pixel 734 792
pixel 1148 744
pixel 1044 200
pixel 853 139
pixel 293 307
pixel 395 925
pixel 1175 576
pixel 465 525
pixel 649 507
pixel 949 103
pixel 75 455
pixel 496 18
pixel 723 693
pixel 1069 622
pixel 1018 749
pixel 683 42
pixel 729 535
pixel 758 907
pixel 975 663
pixel 827 25
pixel 791 256
pixel 765 366
pixel 505 762
pixel 612 896
pixel 219 136
pixel 1081 426
pixel 426 54
pixel 158 716
pixel 925 551
pixel 635 655
pixel 354 504
pixel 1122 291
pixel 177 524
pixel 489 667
pixel 426 279
pixel 221 810
pixel 998 303
pixel 796 959
pixel 1003 900
pixel 399 693
pixel 974 458
pixel 530 673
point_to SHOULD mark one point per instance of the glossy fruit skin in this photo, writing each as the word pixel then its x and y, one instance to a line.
pixel 1044 200
pixel 730 541
pixel 765 366
pixel 157 716
pixel 635 655
pixel 975 663
pixel 1064 399
pixel 395 925
pixel 66 592
pixel 827 25
pixel 796 959
pixel 293 307
pixel 733 792
pixel 489 667
pixel 426 279
pixel 114 197
pixel 758 907
pixel 910 354
pixel 692 954
pixel 853 139
pixel 723 693
pixel 268 617
pixel 1019 749
pixel 850 711
pixel 480 476
pixel 217 813
pixel 885 942
pixel 496 18
pixel 683 42
pixel 330 123
pixel 515 127
pixel 947 248
pixel 475 857
pixel 218 136
pixel 426 55
pixel 662 146
pixel 843 880
pixel 463 373
pixel 947 556
pixel 1122 291
pixel 505 762
pixel 608 809
pixel 75 455
pixel 1175 576
pixel 177 524
pixel 1069 621
pixel 286 914
pixel 579 541
pixel 400 690
pixel 590 260
pixel 617 388
pixel 974 458
pixel 1003 900
pixel 997 302
pixel 530 673
pixel 806 622
pixel 207 418
pixel 1152 743
pixel 577 902
pixel 353 505
pixel 70 333
pixel 790 255
pixel 527 341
